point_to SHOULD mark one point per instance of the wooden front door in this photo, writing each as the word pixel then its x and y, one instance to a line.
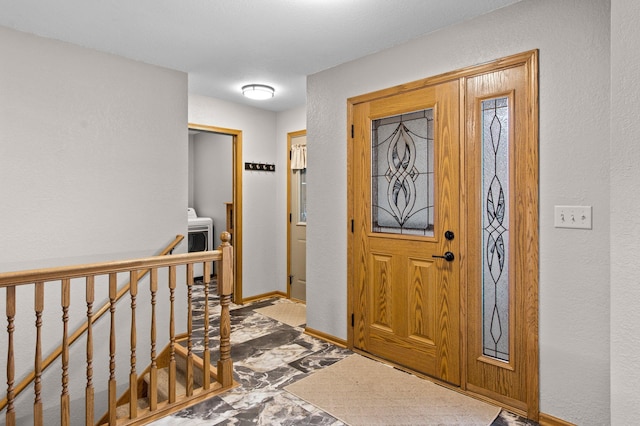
pixel 449 164
pixel 406 265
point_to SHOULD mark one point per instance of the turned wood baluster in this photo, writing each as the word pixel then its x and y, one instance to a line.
pixel 189 372
pixel 172 335
pixel 206 354
pixel 89 391
pixel 37 369
pixel 133 376
pixel 225 289
pixel 225 373
pixel 10 415
pixel 113 292
pixel 153 372
pixel 65 412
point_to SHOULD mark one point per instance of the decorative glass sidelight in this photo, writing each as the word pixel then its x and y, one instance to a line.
pixel 402 174
pixel 495 223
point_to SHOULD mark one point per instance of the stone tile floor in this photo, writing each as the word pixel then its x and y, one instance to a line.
pixel 269 355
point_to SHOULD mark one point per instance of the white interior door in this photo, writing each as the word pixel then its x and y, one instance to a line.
pixel 298 218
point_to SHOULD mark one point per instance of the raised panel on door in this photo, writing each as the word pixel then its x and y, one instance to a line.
pixel 422 300
pixel 381 294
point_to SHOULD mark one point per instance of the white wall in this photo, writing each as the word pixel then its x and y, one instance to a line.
pixel 93 167
pixel 212 178
pixel 191 168
pixel 287 121
pixel 625 203
pixel 259 236
pixel 264 140
pixel 573 38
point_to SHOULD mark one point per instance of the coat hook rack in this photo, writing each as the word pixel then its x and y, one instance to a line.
pixel 260 167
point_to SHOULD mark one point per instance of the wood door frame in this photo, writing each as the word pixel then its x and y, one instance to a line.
pixel 528 59
pixel 290 136
pixel 236 136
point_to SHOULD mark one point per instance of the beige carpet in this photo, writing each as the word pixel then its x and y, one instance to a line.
pixel 291 313
pixel 360 391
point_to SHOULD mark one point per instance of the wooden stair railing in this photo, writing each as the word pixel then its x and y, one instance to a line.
pixel 136 269
pixel 85 327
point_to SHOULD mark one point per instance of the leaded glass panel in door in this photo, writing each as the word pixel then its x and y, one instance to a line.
pixel 495 220
pixel 402 174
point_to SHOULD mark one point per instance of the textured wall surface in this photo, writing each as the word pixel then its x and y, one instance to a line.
pixel 287 122
pixel 625 204
pixel 93 167
pixel 264 194
pixel 573 38
pixel 259 238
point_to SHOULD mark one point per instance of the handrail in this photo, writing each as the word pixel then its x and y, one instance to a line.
pixel 53 274
pixel 78 271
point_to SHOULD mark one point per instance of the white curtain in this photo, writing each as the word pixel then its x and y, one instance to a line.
pixel 298 157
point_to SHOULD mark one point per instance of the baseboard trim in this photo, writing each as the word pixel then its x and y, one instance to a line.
pixel 269 295
pixel 549 420
pixel 326 337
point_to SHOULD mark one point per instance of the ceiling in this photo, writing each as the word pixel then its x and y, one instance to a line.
pixel 225 44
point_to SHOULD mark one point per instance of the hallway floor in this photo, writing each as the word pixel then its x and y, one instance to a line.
pixel 269 355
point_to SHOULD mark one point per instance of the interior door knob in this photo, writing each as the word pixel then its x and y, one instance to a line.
pixel 448 256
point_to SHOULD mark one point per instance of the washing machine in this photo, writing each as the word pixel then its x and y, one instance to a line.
pixel 200 237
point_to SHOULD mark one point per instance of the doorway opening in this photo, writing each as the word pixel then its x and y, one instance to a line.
pixel 297 220
pixel 223 201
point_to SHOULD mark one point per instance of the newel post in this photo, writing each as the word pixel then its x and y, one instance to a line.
pixel 225 290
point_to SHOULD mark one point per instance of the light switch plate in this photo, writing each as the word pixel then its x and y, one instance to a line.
pixel 578 217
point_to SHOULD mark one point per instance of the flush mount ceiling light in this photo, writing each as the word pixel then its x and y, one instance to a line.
pixel 258 91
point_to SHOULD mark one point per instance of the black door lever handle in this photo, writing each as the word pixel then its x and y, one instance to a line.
pixel 448 256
